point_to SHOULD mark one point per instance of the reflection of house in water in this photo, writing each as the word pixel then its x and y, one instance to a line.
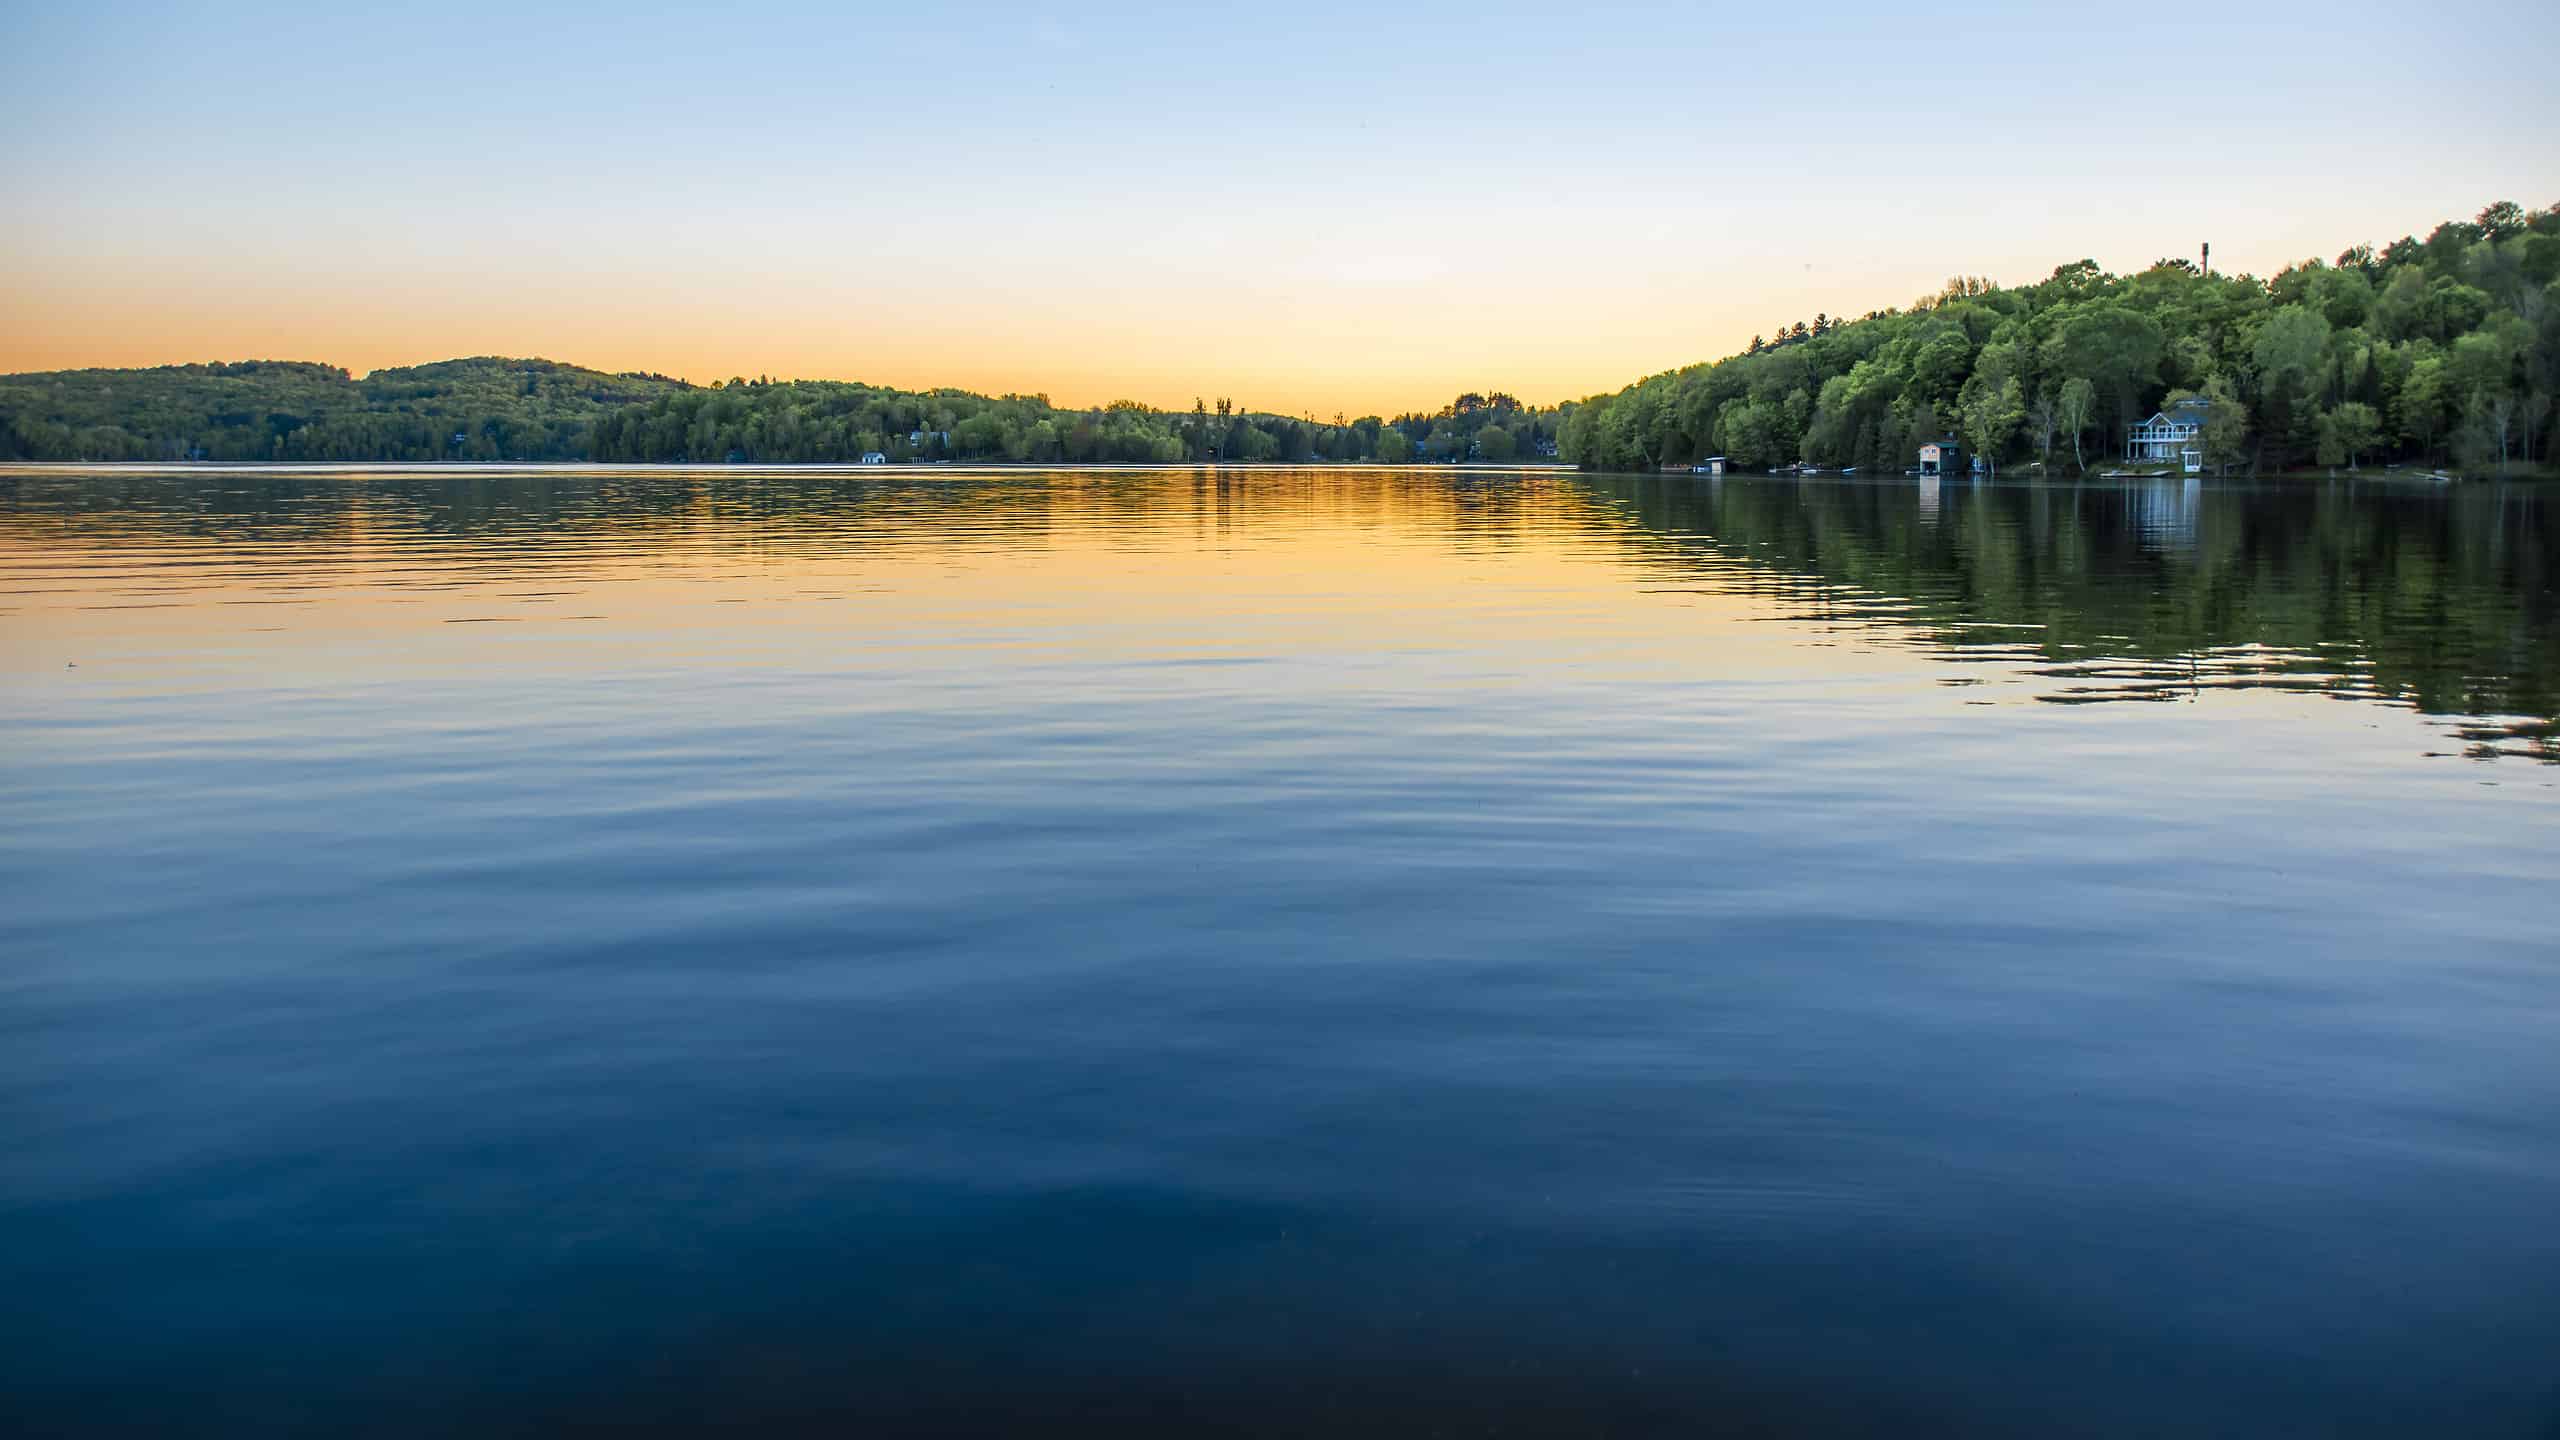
pixel 2173 436
pixel 2165 512
pixel 1928 499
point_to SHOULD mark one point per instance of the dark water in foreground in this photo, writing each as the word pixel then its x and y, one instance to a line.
pixel 494 952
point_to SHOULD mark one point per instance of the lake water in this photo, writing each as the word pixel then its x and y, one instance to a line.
pixel 1267 952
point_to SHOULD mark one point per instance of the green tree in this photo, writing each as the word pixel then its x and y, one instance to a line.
pixel 2291 342
pixel 2044 417
pixel 2225 440
pixel 2425 400
pixel 1938 368
pixel 2116 347
pixel 2501 220
pixel 1494 444
pixel 2074 407
pixel 1993 418
pixel 2347 432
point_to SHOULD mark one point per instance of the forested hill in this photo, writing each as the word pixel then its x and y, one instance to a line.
pixel 501 409
pixel 2442 350
pixel 486 408
pixel 2439 351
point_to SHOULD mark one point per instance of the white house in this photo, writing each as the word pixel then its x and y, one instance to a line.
pixel 874 457
pixel 2175 435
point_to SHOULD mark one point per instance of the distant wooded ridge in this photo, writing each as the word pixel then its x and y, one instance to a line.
pixel 2437 351
pixel 492 408
pixel 2442 350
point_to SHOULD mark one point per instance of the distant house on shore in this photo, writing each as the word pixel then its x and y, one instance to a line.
pixel 1942 457
pixel 2174 435
pixel 874 457
pixel 1712 465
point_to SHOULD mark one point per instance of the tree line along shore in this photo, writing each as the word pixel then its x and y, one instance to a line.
pixel 2441 351
pixel 2438 351
pixel 493 408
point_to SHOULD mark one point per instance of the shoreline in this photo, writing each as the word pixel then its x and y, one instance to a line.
pixel 1132 467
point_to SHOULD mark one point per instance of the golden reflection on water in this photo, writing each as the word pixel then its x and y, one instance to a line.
pixel 1107 563
pixel 1989 595
pixel 1268 935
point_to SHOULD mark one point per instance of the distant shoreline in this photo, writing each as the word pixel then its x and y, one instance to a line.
pixel 430 467
pixel 2397 476
pixel 501 408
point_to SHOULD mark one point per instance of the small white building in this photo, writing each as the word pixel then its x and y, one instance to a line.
pixel 874 457
pixel 2173 436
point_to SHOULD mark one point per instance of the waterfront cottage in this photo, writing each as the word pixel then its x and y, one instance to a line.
pixel 2173 435
pixel 1942 457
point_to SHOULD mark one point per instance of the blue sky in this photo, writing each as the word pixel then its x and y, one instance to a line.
pixel 1323 206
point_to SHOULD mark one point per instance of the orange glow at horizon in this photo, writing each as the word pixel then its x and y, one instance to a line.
pixel 1281 208
pixel 1332 335
pixel 1272 357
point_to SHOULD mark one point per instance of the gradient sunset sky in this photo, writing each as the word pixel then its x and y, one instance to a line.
pixel 1318 207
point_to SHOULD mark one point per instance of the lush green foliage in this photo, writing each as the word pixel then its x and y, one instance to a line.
pixel 499 409
pixel 830 420
pixel 483 409
pixel 2435 350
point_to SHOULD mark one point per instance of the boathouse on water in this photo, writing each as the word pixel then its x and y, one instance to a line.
pixel 1942 457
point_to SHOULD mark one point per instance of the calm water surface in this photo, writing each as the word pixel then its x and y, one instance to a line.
pixel 504 952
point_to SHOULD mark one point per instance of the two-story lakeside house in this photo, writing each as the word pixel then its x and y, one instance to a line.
pixel 2173 435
